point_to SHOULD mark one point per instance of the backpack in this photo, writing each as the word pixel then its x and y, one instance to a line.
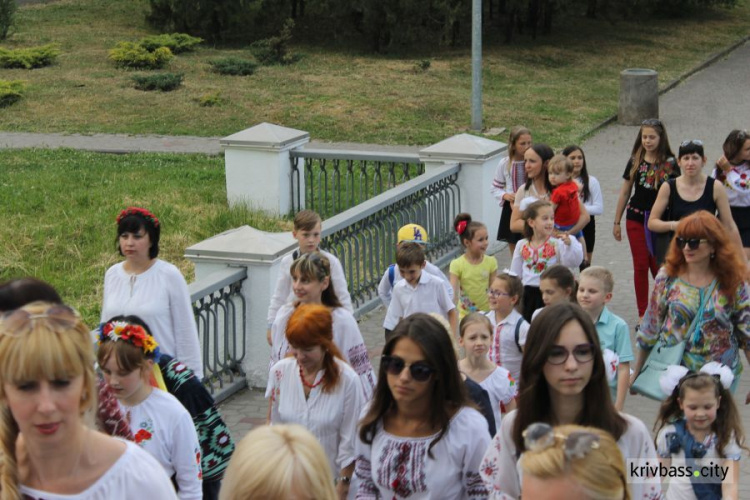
pixel 518 333
pixel 391 274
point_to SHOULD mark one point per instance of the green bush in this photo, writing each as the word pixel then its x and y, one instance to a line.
pixel 176 42
pixel 421 66
pixel 134 55
pixel 211 100
pixel 28 58
pixel 10 91
pixel 7 17
pixel 233 66
pixel 160 81
pixel 275 50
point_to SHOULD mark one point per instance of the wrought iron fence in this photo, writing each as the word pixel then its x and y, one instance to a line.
pixel 364 238
pixel 331 181
pixel 220 311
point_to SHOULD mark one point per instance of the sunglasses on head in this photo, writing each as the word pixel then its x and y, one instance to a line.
pixel 20 321
pixel 576 445
pixel 650 122
pixel 419 371
pixel 695 142
pixel 583 353
pixel 692 243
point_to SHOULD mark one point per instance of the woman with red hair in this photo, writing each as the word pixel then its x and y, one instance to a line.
pixel 703 267
pixel 317 389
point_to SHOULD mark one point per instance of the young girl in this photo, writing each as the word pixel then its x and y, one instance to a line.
pixel 540 250
pixel 700 422
pixel 590 194
pixel 160 424
pixel 509 177
pixel 476 339
pixel 733 169
pixel 471 274
pixel 508 325
pixel 651 163
pixel 557 284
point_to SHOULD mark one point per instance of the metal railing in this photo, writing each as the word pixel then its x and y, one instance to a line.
pixel 331 181
pixel 220 311
pixel 364 238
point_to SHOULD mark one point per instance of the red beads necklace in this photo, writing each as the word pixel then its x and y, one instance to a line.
pixel 304 382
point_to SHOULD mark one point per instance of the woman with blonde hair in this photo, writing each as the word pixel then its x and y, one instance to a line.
pixel 280 461
pixel 47 385
pixel 572 462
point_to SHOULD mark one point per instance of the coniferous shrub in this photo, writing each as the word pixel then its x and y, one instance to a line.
pixel 176 42
pixel 275 50
pixel 11 91
pixel 134 55
pixel 29 58
pixel 235 66
pixel 164 82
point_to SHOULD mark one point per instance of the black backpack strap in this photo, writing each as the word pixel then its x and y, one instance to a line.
pixel 518 334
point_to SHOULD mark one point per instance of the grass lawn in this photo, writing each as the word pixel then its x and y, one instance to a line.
pixel 559 86
pixel 59 210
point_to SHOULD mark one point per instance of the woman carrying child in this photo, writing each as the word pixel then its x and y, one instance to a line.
pixel 590 193
pixel 570 213
pixel 471 273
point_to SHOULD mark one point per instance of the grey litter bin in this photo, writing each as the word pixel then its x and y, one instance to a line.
pixel 639 96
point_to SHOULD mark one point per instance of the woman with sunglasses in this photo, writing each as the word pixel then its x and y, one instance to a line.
pixel 564 382
pixel 420 438
pixel 47 385
pixel 311 284
pixel 733 170
pixel 703 267
pixel 688 193
pixel 317 389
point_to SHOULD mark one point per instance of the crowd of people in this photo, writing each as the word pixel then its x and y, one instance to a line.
pixel 491 384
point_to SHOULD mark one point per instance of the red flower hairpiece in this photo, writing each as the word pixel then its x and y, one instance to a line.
pixel 461 227
pixel 138 211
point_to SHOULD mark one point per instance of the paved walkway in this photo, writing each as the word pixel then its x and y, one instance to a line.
pixel 706 106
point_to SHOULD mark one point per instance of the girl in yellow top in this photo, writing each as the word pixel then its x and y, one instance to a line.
pixel 473 272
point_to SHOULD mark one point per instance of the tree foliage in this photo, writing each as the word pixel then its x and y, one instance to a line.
pixel 7 17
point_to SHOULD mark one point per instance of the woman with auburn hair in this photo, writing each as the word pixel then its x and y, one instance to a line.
pixel 564 382
pixel 703 267
pixel 47 385
pixel 570 462
pixel 279 461
pixel 318 390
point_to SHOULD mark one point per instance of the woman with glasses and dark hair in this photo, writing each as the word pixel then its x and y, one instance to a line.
pixel 651 164
pixel 733 169
pixel 703 270
pixel 688 193
pixel 564 382
pixel 420 438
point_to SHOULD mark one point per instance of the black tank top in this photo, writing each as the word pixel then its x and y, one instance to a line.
pixel 679 208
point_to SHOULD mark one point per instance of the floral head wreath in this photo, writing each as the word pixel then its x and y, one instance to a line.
pixel 132 334
pixel 138 211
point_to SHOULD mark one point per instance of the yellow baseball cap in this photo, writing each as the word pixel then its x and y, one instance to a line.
pixel 412 233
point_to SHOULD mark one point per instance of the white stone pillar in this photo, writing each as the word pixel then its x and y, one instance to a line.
pixel 479 158
pixel 260 252
pixel 258 167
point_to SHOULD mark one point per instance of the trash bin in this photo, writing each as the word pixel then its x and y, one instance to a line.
pixel 639 96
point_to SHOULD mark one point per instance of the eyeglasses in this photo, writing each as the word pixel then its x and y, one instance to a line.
pixel 576 445
pixel 583 353
pixel 650 122
pixel 496 293
pixel 692 243
pixel 696 142
pixel 419 371
pixel 20 322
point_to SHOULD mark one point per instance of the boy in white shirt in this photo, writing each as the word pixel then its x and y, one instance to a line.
pixel 418 291
pixel 307 228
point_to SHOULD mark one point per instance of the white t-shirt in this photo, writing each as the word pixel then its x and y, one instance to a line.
pixel 502 390
pixel 284 295
pixel 502 475
pixel 385 288
pixel 398 467
pixel 346 336
pixel 330 416
pixel 504 350
pixel 164 428
pixel 429 296
pixel 159 297
pixel 136 475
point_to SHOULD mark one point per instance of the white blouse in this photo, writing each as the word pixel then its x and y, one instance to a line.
pixel 595 204
pixel 330 416
pixel 159 297
pixel 346 336
pixel 502 474
pixel 134 476
pixel 164 428
pixel 529 263
pixel 504 350
pixel 502 390
pixel 397 467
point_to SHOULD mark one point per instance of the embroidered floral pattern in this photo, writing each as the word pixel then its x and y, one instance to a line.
pixel 145 432
pixel 401 467
pixel 536 260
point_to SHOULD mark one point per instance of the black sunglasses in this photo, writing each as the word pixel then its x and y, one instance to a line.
pixel 419 371
pixel 650 122
pixel 692 243
pixel 696 142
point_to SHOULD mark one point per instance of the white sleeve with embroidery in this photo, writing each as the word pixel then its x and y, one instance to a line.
pixel 186 459
pixel 499 183
pixel 498 468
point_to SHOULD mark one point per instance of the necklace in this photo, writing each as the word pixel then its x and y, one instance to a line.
pixel 73 471
pixel 304 382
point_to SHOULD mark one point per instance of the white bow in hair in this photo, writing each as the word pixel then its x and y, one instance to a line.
pixel 611 361
pixel 726 376
pixel 509 272
pixel 671 377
